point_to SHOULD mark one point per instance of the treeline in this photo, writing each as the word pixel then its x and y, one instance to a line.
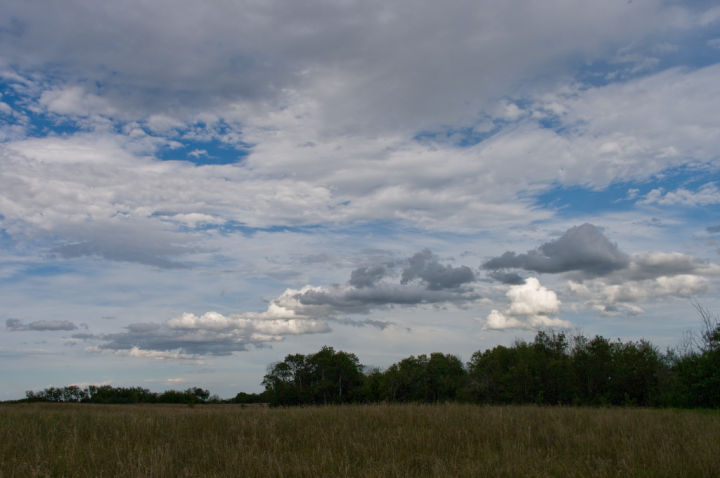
pixel 553 369
pixel 107 394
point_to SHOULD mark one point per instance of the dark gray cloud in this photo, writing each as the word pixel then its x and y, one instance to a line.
pixel 367 276
pixel 505 277
pixel 345 300
pixel 151 336
pixel 119 253
pixel 581 248
pixel 423 281
pixel 426 267
pixel 713 229
pixel 83 336
pixel 15 325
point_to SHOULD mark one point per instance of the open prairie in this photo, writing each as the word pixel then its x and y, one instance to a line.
pixel 77 440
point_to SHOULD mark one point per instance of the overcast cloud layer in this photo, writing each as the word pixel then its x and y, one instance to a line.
pixel 231 182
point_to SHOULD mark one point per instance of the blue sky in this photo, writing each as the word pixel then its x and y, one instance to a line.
pixel 189 192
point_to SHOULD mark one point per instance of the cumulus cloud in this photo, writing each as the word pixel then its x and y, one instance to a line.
pixel 425 266
pixel 609 280
pixel 506 277
pixel 308 310
pixel 530 307
pixel 423 280
pixel 151 354
pixel 15 325
pixel 367 276
pixel 581 248
pixel 212 333
pixel 650 275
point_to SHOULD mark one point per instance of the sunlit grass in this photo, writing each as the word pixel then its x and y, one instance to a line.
pixel 68 440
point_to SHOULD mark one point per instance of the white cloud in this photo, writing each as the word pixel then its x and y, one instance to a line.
pixel 74 101
pixel 530 305
pixel 194 218
pixel 151 354
pixel 707 194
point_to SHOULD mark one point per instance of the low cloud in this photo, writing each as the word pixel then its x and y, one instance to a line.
pixel 308 310
pixel 15 325
pixel 423 280
pixel 609 280
pixel 367 276
pixel 581 248
pixel 426 267
pixel 530 307
pixel 505 277
pixel 119 253
pixel 605 298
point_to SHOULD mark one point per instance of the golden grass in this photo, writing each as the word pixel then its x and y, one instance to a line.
pixel 67 440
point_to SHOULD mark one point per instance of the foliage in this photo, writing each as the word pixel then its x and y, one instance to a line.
pixel 553 369
pixel 107 394
pixel 326 377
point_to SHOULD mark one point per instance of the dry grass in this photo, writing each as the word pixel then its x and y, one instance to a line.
pixel 64 440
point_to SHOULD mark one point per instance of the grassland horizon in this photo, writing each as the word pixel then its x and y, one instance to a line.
pixel 378 440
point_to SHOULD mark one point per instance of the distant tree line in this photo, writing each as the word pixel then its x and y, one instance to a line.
pixel 553 369
pixel 107 394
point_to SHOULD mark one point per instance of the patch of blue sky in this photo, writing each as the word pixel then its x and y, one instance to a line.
pixel 39 123
pixel 580 201
pixel 693 50
pixel 43 125
pixel 203 153
pixel 230 227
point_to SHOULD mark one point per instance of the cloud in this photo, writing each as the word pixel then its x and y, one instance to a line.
pixel 117 252
pixel 15 325
pixel 367 276
pixel 425 266
pixel 505 277
pixel 74 101
pixel 649 276
pixel 604 276
pixel 349 300
pixel 380 63
pixel 308 310
pixel 151 354
pixel 713 229
pixel 600 295
pixel 423 280
pixel 707 194
pixel 189 336
pixel 530 305
pixel 581 248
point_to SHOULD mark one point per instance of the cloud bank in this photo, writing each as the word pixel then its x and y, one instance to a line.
pixel 308 310
pixel 598 272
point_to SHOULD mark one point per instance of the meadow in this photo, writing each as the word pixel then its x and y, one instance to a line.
pixel 380 440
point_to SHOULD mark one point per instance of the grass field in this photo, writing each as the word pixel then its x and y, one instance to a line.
pixel 68 440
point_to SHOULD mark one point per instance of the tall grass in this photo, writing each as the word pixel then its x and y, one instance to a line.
pixel 67 440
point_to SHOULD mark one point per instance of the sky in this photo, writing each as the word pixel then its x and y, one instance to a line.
pixel 190 191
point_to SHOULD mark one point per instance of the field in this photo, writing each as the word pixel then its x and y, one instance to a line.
pixel 71 440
